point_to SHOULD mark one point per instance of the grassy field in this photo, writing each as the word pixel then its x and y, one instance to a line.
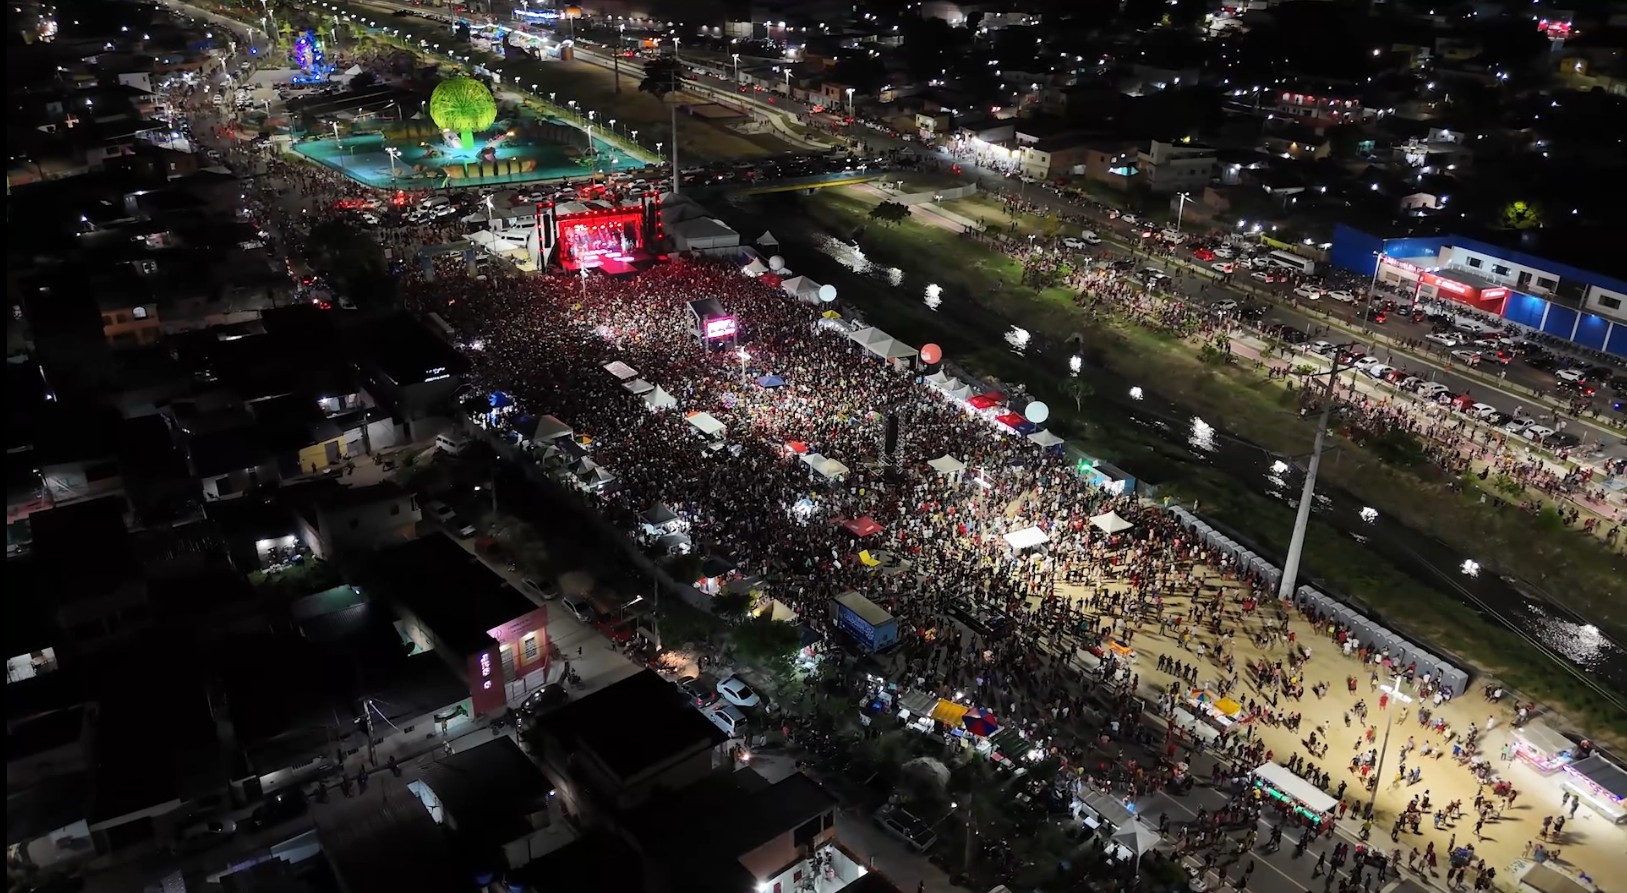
pixel 1248 405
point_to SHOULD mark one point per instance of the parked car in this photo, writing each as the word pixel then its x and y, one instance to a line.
pixel 1560 440
pixel 533 588
pixel 1467 357
pixel 1443 339
pixel 544 699
pixel 727 718
pixel 1482 411
pixel 1343 296
pixel 1225 269
pixel 1074 244
pixel 1571 374
pixel 579 607
pixel 737 692
pixel 1308 292
pixel 1224 306
pixel 697 691
pixel 1431 390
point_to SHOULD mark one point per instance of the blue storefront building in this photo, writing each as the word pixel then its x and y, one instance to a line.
pixel 1586 308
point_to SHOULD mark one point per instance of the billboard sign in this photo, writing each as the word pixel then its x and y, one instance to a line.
pixel 487 693
pixel 720 327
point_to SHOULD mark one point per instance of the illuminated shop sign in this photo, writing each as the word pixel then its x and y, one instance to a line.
pixel 720 327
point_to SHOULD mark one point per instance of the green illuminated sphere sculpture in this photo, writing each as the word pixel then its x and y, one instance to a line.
pixel 463 105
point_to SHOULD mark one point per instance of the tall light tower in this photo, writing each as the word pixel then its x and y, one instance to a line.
pixel 1307 494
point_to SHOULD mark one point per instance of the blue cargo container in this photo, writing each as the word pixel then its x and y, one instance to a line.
pixel 871 626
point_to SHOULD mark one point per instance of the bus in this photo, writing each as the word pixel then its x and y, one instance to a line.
pixel 1292 262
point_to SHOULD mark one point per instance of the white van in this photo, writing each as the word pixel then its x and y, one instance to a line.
pixel 728 718
pixel 451 444
pixel 1090 238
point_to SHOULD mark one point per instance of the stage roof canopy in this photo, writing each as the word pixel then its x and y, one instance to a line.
pixel 1026 538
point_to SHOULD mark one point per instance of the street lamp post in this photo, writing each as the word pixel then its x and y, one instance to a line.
pixel 1367 305
pixel 1180 209
pixel 635 137
pixel 1394 691
pixel 394 153
pixel 736 67
pixel 621 43
pixel 744 357
pixel 850 100
pixel 338 147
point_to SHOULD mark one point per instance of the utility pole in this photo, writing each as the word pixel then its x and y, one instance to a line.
pixel 1307 494
pixel 367 727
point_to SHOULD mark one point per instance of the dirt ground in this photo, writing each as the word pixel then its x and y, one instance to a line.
pixel 1590 842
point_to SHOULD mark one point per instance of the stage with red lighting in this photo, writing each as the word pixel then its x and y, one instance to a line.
pixel 600 235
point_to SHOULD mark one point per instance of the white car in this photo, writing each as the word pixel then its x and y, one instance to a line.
pixel 1378 370
pixel 1431 389
pixel 432 202
pixel 1223 252
pixel 440 511
pixel 1467 357
pixel 1131 219
pixel 1516 426
pixel 1410 383
pixel 1443 339
pixel 1226 269
pixel 369 218
pixel 1536 432
pixel 1263 276
pixel 1325 348
pixel 1225 307
pixel 1366 363
pixel 1090 238
pixel 737 692
pixel 1342 296
pixel 1073 244
pixel 1309 293
pixel 1571 374
pixel 1483 411
pixel 728 718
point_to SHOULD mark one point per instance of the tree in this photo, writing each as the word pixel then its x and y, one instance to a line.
pixel 1080 390
pixel 661 76
pixel 464 105
pixel 349 256
pixel 890 212
pixel 1521 214
pixel 731 605
pixel 762 639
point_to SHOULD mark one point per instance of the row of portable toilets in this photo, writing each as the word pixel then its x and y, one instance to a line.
pixel 1367 631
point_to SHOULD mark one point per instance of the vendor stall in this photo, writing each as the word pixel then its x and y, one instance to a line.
pixel 1600 784
pixel 1279 783
pixel 1545 749
pixel 1220 712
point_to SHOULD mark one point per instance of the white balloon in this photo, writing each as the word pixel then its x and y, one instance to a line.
pixel 776 263
pixel 827 293
pixel 1037 412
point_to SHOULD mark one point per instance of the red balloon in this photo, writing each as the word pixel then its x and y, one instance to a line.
pixel 931 353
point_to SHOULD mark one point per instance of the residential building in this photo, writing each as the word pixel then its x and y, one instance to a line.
pixel 1115 165
pixel 337 521
pixel 1053 158
pixel 1181 166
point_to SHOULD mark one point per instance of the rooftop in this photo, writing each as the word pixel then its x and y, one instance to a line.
pixel 634 726
pixel 449 590
pixel 489 789
pixel 379 844
pixel 65 535
pixel 731 814
pixel 407 353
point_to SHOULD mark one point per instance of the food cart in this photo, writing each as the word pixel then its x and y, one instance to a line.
pixel 1545 749
pixel 1600 784
pixel 1277 782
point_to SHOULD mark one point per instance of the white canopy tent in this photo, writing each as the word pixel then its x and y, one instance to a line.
pixel 1284 780
pixel 1045 438
pixel 638 386
pixel 937 379
pixel 869 335
pixel 1027 538
pixel 895 350
pixel 550 428
pixel 660 399
pixel 755 268
pixel 705 423
pixel 824 466
pixel 1110 522
pixel 802 288
pixel 1136 837
pixel 947 464
pixel 621 370
pixel 767 240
